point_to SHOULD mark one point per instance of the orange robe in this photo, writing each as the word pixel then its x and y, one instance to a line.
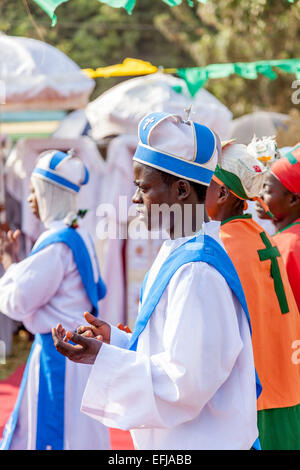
pixel 272 308
pixel 288 242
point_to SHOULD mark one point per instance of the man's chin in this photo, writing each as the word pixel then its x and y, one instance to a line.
pixel 275 220
pixel 143 220
pixel 36 214
pixel 261 214
pixel 155 228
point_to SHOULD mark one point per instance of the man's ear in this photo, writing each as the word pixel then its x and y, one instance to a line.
pixel 183 189
pixel 223 193
pixel 294 199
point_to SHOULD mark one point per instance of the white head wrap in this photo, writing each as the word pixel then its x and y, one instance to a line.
pixel 237 160
pixel 57 184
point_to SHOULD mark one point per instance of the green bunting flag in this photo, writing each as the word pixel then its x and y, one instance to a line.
pixel 49 6
pixel 127 4
pixel 174 3
pixel 196 77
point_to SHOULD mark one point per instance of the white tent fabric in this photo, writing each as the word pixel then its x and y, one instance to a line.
pixel 36 75
pixel 259 123
pixel 72 126
pixel 119 110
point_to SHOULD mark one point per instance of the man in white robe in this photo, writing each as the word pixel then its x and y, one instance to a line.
pixel 40 290
pixel 185 378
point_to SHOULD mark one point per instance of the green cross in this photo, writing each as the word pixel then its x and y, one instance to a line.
pixel 271 252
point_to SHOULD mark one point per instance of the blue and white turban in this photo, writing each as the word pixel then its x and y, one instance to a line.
pixel 182 148
pixel 62 169
pixel 57 179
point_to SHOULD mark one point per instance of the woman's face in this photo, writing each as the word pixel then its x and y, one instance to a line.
pixel 276 196
pixel 32 201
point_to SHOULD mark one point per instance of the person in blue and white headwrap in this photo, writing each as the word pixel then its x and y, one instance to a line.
pixel 56 282
pixel 185 377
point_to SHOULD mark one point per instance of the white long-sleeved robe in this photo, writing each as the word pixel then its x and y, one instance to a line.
pixel 41 291
pixel 191 382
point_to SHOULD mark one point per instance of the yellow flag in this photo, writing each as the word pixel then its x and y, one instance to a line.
pixel 129 67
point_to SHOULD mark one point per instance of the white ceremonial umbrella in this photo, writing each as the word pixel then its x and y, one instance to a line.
pixel 36 75
pixel 119 110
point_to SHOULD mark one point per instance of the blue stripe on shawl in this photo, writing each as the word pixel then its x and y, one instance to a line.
pixel 73 240
pixel 51 396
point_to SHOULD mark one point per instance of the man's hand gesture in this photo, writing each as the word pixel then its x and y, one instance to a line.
pixel 88 340
pixel 98 329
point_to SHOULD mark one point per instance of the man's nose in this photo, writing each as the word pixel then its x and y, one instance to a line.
pixel 136 198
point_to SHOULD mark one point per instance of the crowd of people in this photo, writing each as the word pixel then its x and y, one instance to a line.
pixel 212 361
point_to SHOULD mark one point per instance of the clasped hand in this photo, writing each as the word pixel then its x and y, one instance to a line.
pixel 88 340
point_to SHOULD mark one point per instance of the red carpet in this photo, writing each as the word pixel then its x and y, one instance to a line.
pixel 120 440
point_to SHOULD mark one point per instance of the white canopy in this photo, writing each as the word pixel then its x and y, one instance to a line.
pixel 259 123
pixel 36 75
pixel 119 110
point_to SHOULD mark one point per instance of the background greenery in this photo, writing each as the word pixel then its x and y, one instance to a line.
pixel 95 35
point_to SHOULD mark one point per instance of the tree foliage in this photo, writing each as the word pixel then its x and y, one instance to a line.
pixel 239 31
pixel 220 31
